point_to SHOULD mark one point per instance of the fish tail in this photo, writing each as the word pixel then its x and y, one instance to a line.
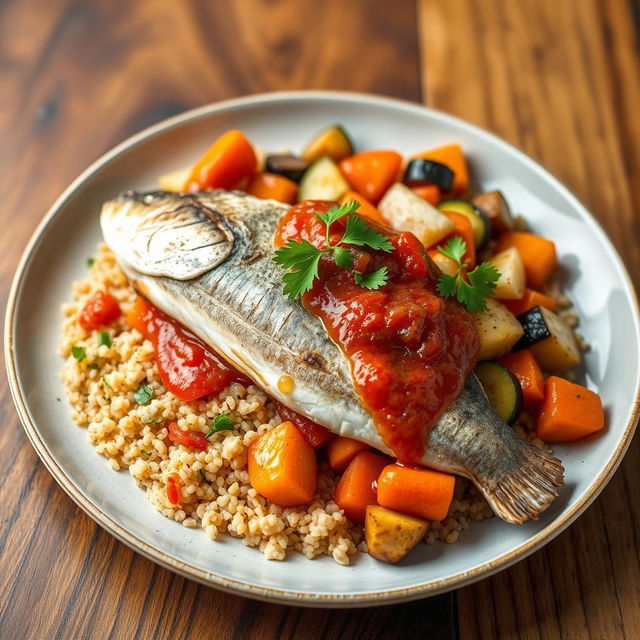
pixel 524 492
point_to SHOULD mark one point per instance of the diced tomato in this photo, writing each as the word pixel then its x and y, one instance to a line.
pixel 315 434
pixel 193 439
pixel 173 488
pixel 100 310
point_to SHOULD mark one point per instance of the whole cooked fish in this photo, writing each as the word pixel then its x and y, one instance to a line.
pixel 206 260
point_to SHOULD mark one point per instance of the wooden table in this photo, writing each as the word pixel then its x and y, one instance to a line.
pixel 559 78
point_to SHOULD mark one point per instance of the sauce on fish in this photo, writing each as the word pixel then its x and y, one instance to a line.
pixel 410 350
pixel 187 366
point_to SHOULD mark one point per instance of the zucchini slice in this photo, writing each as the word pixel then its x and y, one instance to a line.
pixel 405 211
pixel 495 207
pixel 322 181
pixel 420 172
pixel 480 225
pixel 502 389
pixel 511 284
pixel 290 167
pixel 332 142
pixel 550 340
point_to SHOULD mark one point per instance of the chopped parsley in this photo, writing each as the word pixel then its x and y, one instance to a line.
pixel 143 394
pixel 104 339
pixel 223 422
pixel 155 421
pixel 146 453
pixel 91 261
pixel 78 353
pixel 202 475
pixel 105 382
pixel 479 283
pixel 303 258
pixel 94 365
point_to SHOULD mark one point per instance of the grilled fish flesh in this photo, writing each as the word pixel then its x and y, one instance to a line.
pixel 206 260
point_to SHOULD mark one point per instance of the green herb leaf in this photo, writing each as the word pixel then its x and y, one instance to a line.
pixel 78 353
pixel 294 253
pixel 361 233
pixel 105 382
pixel 223 422
pixel 155 421
pixel 203 476
pixel 454 249
pixel 373 280
pixel 91 261
pixel 143 394
pixel 343 258
pixel 337 212
pixel 94 365
pixel 479 285
pixel 104 339
pixel 303 257
pixel 146 453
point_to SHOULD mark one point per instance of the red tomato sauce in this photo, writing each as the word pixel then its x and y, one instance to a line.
pixel 100 310
pixel 187 366
pixel 315 434
pixel 410 350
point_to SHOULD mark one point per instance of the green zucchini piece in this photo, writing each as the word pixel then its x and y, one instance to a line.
pixel 480 225
pixel 332 142
pixel 290 167
pixel 503 389
pixel 495 207
pixel 322 181
pixel 420 172
pixel 549 338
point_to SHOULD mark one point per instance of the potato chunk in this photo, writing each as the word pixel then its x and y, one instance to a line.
pixel 498 330
pixel 390 535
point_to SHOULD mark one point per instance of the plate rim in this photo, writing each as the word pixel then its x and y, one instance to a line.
pixel 245 588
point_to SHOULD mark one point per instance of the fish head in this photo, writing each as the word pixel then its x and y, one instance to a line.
pixel 166 234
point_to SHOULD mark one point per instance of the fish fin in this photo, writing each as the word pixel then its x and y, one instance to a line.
pixel 525 492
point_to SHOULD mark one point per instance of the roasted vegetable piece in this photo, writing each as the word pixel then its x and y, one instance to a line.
pixel 452 156
pixel 332 142
pixel 227 161
pixel 423 493
pixel 192 439
pixel 550 340
pixel 316 434
pixel 290 167
pixel 270 186
pixel 428 192
pixel 495 207
pixel 529 299
pixel 525 367
pixel 463 230
pixel 341 452
pixel 356 488
pixel 100 310
pixel 420 172
pixel 498 330
pixel 322 181
pixel 175 181
pixel 479 222
pixel 445 264
pixel 569 412
pixel 371 173
pixel 282 466
pixel 366 208
pixel 405 211
pixel 391 535
pixel 511 283
pixel 502 388
pixel 538 255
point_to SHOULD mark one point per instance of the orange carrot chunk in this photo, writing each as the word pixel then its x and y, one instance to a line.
pixel 366 208
pixel 270 186
pixel 419 492
pixel 428 192
pixel 538 255
pixel 452 156
pixel 525 367
pixel 341 452
pixel 356 488
pixel 371 173
pixel 282 466
pixel 227 161
pixel 464 230
pixel 569 412
pixel 529 300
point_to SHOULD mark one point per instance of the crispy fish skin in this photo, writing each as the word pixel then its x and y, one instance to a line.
pixel 217 277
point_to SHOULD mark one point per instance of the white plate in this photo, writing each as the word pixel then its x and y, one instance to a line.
pixel 593 274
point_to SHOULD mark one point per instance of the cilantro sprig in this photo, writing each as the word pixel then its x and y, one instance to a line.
pixel 479 283
pixel 303 258
pixel 222 422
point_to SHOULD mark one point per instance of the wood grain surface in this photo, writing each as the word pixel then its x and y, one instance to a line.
pixel 560 79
